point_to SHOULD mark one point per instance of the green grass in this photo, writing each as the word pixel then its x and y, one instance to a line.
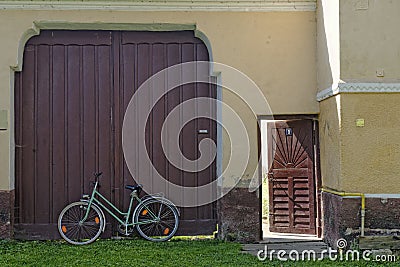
pixel 132 252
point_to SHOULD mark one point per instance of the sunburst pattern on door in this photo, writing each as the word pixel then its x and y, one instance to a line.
pixel 291 178
pixel 288 149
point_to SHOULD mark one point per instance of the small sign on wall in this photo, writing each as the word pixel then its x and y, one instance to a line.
pixel 3 120
pixel 360 122
pixel 288 131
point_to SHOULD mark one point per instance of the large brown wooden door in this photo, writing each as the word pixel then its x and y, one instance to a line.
pixel 70 100
pixel 291 177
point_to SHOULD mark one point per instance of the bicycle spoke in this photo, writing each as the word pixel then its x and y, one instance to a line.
pixel 90 231
pixel 74 234
pixel 74 230
pixel 159 230
pixel 147 227
pixel 153 231
pixel 170 212
pixel 171 225
pixel 165 225
pixel 159 212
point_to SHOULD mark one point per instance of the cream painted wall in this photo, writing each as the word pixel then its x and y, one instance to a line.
pixel 361 159
pixel 275 49
pixel 355 38
pixel 370 40
pixel 371 154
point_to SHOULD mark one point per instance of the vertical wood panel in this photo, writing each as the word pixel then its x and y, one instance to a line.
pixel 142 66
pixel 59 130
pixel 158 62
pixel 116 143
pixel 89 114
pixel 43 135
pixel 213 126
pixel 127 87
pixel 73 124
pixel 27 175
pixel 104 118
pixel 174 97
pixel 207 91
pixel 188 136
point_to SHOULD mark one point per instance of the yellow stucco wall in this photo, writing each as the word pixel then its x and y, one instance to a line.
pixel 360 159
pixel 371 154
pixel 275 49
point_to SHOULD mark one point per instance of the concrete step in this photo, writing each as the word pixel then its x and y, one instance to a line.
pixel 270 240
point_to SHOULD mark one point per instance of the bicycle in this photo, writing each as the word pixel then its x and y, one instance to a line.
pixel 155 217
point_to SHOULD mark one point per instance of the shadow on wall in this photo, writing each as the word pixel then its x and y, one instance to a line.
pixel 329 120
pixel 325 26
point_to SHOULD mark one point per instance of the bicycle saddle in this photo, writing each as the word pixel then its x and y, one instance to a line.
pixel 137 187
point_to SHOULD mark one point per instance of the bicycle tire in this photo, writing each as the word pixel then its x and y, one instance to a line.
pixel 156 231
pixel 77 233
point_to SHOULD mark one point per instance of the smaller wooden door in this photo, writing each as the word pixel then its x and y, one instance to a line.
pixel 291 177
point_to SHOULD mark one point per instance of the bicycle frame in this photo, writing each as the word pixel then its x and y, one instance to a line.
pixel 125 223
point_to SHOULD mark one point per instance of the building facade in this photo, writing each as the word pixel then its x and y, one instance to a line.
pixel 332 65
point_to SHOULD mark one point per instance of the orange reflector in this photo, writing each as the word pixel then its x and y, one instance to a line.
pixel 166 231
pixel 144 212
pixel 64 229
pixel 97 220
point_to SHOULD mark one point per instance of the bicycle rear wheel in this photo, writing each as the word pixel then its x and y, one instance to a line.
pixel 157 229
pixel 76 232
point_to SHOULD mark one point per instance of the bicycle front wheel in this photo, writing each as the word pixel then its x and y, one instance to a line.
pixel 156 220
pixel 76 231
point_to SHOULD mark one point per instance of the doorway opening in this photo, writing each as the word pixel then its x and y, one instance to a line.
pixel 290 177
